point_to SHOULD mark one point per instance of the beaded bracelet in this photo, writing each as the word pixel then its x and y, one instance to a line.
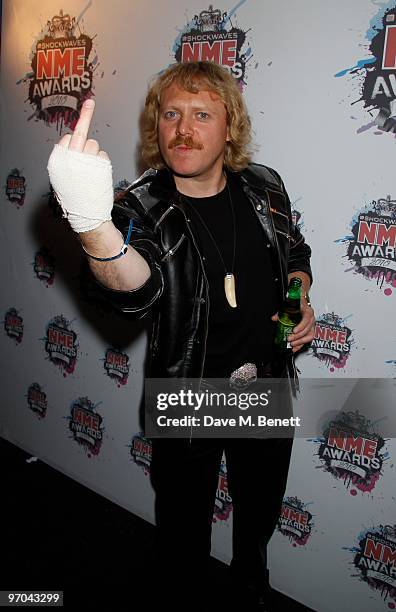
pixel 123 250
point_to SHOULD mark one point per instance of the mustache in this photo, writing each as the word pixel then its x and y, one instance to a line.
pixel 187 141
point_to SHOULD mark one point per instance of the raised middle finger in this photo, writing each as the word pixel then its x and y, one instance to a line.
pixel 80 134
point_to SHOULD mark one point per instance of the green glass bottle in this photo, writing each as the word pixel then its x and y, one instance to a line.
pixel 289 315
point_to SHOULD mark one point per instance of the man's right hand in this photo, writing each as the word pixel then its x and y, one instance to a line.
pixel 81 176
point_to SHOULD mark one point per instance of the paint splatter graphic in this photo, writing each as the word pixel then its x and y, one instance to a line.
pixel 332 342
pixel 375 75
pixel 371 246
pixel 116 365
pixel 297 217
pixel 62 71
pixel 15 188
pixel 61 344
pixel 37 400
pixel 352 451
pixel 375 560
pixel 86 425
pixel 295 521
pixel 44 266
pixel 13 325
pixel 212 36
pixel 141 452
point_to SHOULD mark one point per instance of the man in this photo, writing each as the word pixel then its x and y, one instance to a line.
pixel 211 248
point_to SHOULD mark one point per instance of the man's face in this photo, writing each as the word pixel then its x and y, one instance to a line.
pixel 192 132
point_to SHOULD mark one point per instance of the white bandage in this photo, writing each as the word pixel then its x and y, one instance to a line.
pixel 83 185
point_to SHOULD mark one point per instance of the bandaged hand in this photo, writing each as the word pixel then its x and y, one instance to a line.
pixel 81 176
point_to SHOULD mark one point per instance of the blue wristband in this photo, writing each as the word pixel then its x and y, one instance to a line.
pixel 123 250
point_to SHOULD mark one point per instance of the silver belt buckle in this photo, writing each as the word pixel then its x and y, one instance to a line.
pixel 243 376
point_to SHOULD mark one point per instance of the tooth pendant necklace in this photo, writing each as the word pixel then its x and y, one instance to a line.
pixel 229 278
pixel 229 289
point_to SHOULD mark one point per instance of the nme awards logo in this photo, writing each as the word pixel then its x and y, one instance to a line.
pixel 16 187
pixel 141 450
pixel 211 36
pixel 297 220
pixel 295 521
pixel 375 560
pixel 86 425
pixel 352 451
pixel 37 400
pixel 61 77
pixel 372 245
pixel 223 501
pixel 44 267
pixel 61 344
pixel 116 365
pixel 332 341
pixel 13 325
pixel 377 74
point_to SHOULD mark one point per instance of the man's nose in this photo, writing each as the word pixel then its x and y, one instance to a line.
pixel 184 126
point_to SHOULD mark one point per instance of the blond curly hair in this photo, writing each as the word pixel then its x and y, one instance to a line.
pixel 194 77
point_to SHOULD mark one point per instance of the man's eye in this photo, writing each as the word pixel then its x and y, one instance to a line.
pixel 203 115
pixel 170 114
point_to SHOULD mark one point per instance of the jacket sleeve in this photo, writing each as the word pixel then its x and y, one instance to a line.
pixel 299 254
pixel 137 301
pixel 300 251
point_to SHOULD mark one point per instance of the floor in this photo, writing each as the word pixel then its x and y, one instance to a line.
pixel 60 535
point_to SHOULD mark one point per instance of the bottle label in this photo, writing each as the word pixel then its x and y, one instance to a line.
pixel 284 332
pixel 287 330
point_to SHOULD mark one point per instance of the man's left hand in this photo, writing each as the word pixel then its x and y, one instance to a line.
pixel 304 332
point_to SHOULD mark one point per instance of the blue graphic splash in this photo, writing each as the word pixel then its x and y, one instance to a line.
pixel 359 64
pixel 28 75
pixel 83 11
pixel 355 219
pixel 375 26
pixel 234 10
pixel 352 549
pixel 376 21
pixel 344 239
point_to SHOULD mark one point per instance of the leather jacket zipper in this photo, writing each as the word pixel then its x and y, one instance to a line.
pixel 286 235
pixel 276 242
pixel 277 212
pixel 162 217
pixel 173 250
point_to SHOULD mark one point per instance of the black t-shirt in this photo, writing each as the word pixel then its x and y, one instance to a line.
pixel 245 333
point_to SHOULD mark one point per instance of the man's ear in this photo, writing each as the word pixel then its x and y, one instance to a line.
pixel 228 136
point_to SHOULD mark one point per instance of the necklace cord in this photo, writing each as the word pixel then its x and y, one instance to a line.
pixel 211 235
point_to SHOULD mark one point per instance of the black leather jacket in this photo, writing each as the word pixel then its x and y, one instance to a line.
pixel 177 290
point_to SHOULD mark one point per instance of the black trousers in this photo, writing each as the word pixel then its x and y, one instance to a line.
pixel 184 476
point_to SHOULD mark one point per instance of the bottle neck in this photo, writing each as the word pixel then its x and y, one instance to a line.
pixel 294 290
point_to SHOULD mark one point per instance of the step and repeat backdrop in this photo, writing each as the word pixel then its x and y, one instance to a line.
pixel 319 80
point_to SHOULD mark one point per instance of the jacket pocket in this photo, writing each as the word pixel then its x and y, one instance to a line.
pixel 286 235
pixel 173 250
